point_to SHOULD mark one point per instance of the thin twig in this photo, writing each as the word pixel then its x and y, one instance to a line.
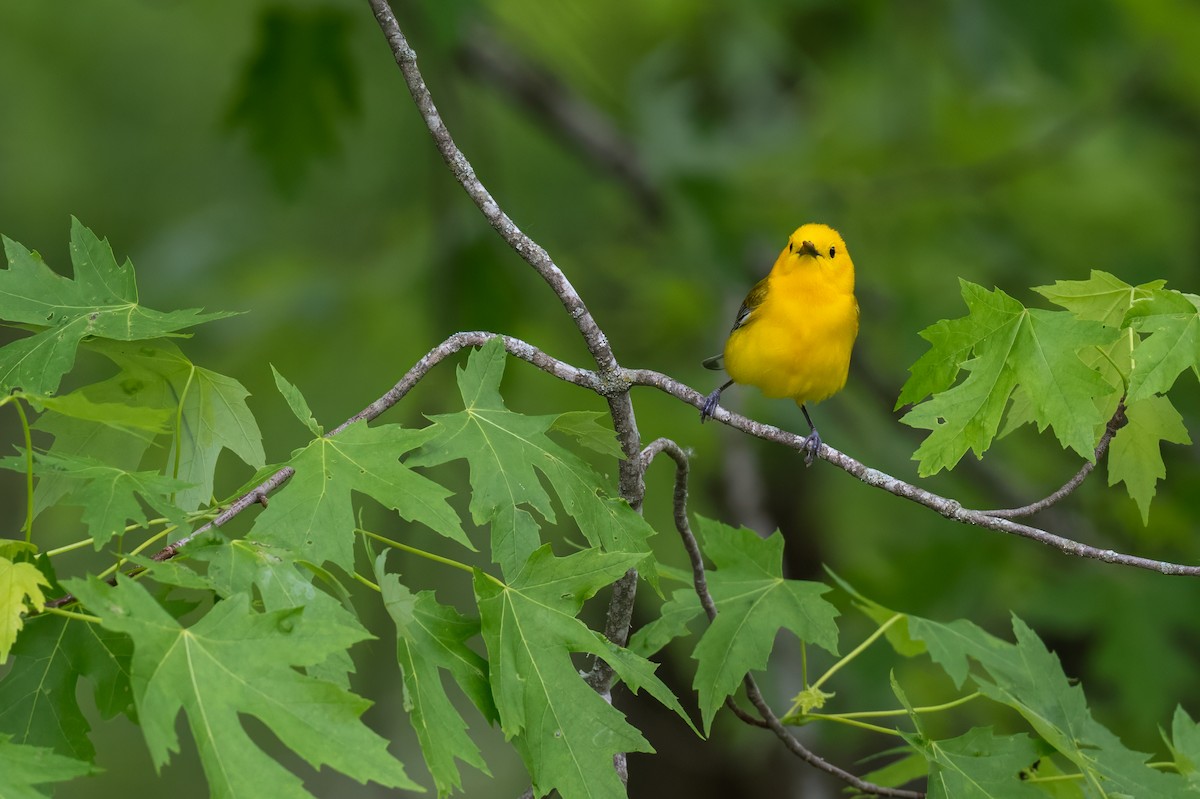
pixel 471 338
pixel 668 447
pixel 1117 421
pixel 700 583
pixel 459 341
pixel 464 173
pixel 798 749
pixel 673 450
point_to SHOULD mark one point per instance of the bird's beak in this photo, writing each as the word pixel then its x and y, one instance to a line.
pixel 807 248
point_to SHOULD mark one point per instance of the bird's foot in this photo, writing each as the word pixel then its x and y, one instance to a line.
pixel 710 406
pixel 811 446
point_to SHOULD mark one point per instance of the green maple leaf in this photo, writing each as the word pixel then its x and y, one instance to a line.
pixel 506 452
pixel 1134 456
pixel 1105 299
pixel 111 497
pixel 101 301
pixel 951 341
pixel 910 766
pixel 313 512
pixel 297 403
pixel 565 732
pixel 1101 298
pixel 1146 366
pixel 25 767
pixel 754 602
pixel 674 620
pixel 235 662
pixel 586 428
pixel 430 638
pixel 1029 678
pixel 282 582
pixel 1171 322
pixel 214 413
pixel 39 699
pixel 142 422
pixel 20 591
pixel 177 571
pixel 159 378
pixel 118 447
pixel 1185 746
pixel 978 765
pixel 1011 345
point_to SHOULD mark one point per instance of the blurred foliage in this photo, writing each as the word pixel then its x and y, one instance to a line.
pixel 1012 144
pixel 298 86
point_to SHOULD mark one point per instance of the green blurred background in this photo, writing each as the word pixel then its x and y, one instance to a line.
pixel 266 157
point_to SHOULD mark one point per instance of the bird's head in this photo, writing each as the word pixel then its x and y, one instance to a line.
pixel 817 241
pixel 816 246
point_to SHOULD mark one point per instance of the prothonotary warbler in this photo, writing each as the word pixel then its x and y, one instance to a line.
pixel 794 332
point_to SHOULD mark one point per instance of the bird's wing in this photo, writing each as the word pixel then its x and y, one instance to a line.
pixel 745 315
pixel 753 300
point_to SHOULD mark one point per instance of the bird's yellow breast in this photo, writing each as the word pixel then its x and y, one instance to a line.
pixel 797 342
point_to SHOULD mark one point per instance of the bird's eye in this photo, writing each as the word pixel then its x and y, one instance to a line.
pixel 789 245
pixel 832 251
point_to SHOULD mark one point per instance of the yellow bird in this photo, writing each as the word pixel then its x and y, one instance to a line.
pixel 794 332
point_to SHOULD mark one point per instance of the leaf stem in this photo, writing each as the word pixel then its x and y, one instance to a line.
pixel 128 528
pixel 875 714
pixel 843 719
pixel 70 614
pixel 69 547
pixel 366 582
pixel 428 555
pixel 853 716
pixel 1054 778
pixel 792 712
pixel 28 471
pixel 122 561
pixel 852 654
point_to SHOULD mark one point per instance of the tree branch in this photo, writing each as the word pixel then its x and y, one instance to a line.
pixel 620 406
pixel 530 251
pixel 464 173
pixel 949 508
pixel 700 583
pixel 601 678
pixel 258 495
pixel 472 338
pixel 798 749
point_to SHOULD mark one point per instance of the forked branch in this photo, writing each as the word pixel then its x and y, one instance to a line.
pixel 700 583
pixel 632 486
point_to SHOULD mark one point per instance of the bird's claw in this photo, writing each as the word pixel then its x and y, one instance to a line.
pixel 710 406
pixel 810 447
